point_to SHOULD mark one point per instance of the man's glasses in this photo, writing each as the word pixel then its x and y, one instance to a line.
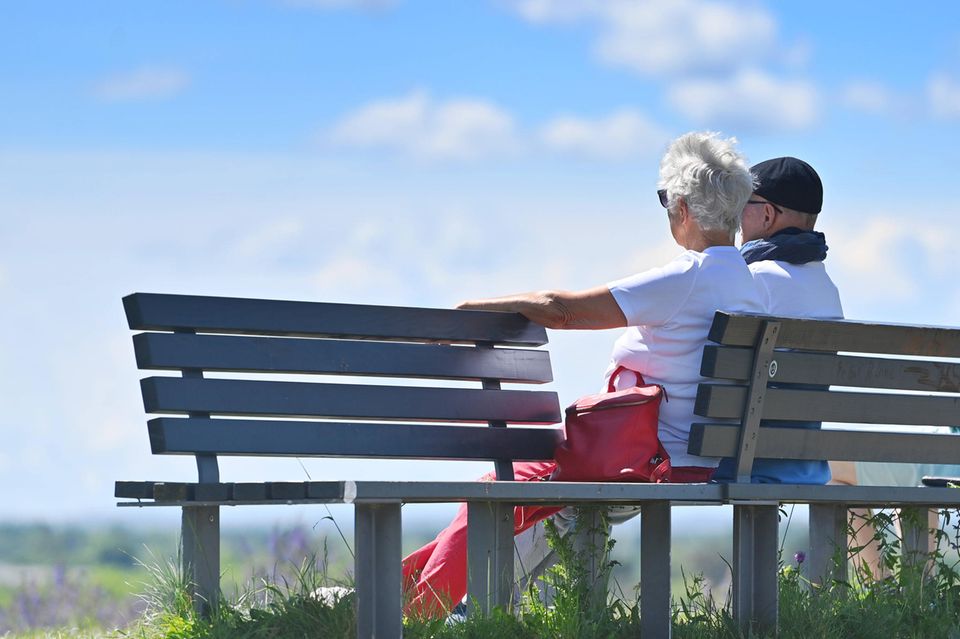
pixel 664 201
pixel 775 207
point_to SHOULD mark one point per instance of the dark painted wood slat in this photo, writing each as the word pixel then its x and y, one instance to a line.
pixel 873 496
pixel 283 490
pixel 212 492
pixel 840 335
pixel 726 402
pixel 158 312
pixel 249 491
pixel 328 490
pixel 172 435
pixel 173 491
pixel 298 399
pixel 222 353
pixel 621 493
pixel 725 362
pixel 720 440
pixel 133 489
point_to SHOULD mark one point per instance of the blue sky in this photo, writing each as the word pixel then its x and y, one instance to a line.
pixel 418 152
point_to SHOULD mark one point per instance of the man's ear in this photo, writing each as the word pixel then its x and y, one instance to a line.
pixel 682 211
pixel 769 217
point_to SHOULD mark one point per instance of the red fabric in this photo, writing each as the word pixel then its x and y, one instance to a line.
pixel 436 575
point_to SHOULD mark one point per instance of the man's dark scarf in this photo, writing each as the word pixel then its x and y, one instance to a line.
pixel 791 245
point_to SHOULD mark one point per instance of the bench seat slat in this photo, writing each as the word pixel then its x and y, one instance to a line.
pixel 133 489
pixel 159 312
pixel 223 353
pixel 546 492
pixel 727 402
pixel 720 440
pixel 725 362
pixel 299 399
pixel 173 435
pixel 265 492
pixel 874 496
pixel 616 493
pixel 735 329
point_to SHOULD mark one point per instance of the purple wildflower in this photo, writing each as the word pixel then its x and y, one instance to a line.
pixel 799 557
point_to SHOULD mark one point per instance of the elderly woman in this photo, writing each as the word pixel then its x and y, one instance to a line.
pixel 667 312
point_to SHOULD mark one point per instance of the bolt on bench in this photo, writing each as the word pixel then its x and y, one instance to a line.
pixel 196 336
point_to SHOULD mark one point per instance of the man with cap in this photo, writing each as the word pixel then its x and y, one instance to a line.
pixel 785 256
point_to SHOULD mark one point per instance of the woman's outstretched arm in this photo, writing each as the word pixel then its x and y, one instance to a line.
pixel 593 308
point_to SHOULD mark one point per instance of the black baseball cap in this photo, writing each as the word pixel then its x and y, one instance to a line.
pixel 790 183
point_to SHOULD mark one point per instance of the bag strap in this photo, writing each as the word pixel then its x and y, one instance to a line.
pixel 616 373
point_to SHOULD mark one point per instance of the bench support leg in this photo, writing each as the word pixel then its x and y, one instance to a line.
pixel 590 545
pixel 200 546
pixel 828 543
pixel 915 525
pixel 655 569
pixel 755 565
pixel 377 570
pixel 489 556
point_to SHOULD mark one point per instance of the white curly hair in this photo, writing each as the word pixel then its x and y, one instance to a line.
pixel 711 176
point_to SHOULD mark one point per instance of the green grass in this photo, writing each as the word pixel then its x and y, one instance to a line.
pixel 914 602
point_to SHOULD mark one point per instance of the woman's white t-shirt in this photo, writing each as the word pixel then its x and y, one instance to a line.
pixel 669 311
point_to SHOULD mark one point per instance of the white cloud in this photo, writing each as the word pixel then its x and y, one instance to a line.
pixel 351 276
pixel 269 238
pixel 943 93
pixel 750 100
pixel 882 265
pixel 467 129
pixel 619 135
pixel 868 97
pixel 146 83
pixel 868 259
pixel 668 36
pixel 422 126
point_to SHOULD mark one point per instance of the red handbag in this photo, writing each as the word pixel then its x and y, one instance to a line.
pixel 612 436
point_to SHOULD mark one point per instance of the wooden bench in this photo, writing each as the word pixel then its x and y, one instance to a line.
pixel 861 363
pixel 205 335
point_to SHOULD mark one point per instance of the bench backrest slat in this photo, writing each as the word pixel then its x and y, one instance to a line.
pixel 727 402
pixel 228 353
pixel 724 362
pixel 157 312
pixel 732 329
pixel 297 399
pixel 797 443
pixel 809 381
pixel 170 435
pixel 211 341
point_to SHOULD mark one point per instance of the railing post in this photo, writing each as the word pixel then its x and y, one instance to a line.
pixel 655 569
pixel 200 529
pixel 489 556
pixel 590 536
pixel 200 555
pixel 915 528
pixel 377 571
pixel 828 543
pixel 755 567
